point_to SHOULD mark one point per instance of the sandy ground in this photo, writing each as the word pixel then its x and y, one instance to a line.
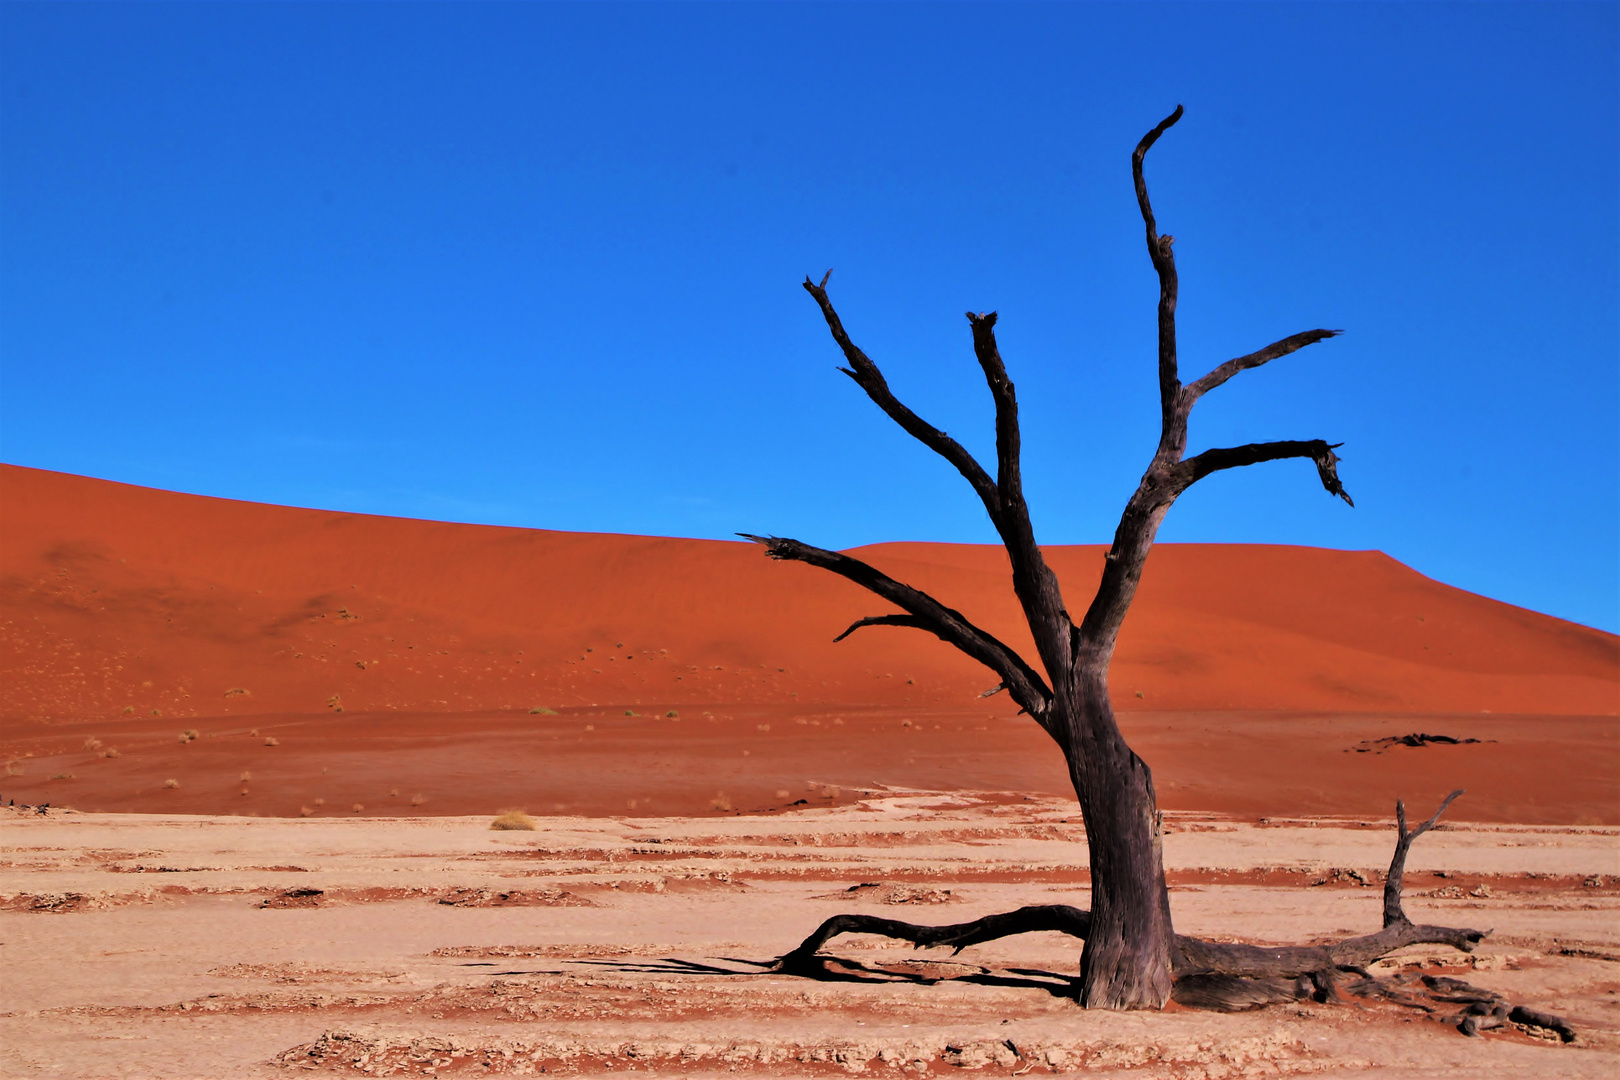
pixel 143 945
pixel 1546 770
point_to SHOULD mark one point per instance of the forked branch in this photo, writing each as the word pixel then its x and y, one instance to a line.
pixel 1393 913
pixel 1003 497
pixel 925 613
pixel 1319 451
pixel 869 378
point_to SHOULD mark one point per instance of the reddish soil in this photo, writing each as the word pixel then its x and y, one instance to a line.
pixel 386 655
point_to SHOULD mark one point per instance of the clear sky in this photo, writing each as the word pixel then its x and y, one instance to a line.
pixel 539 264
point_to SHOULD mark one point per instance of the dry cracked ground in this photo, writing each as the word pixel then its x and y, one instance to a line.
pixel 171 946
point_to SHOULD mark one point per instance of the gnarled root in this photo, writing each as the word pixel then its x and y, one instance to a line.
pixel 1234 977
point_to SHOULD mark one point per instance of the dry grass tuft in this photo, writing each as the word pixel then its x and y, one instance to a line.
pixel 418 799
pixel 358 807
pixel 306 811
pixel 721 802
pixel 171 783
pixel 92 744
pixel 110 752
pixel 188 735
pixel 246 776
pixel 673 715
pixel 514 820
pixel 271 740
pixel 541 710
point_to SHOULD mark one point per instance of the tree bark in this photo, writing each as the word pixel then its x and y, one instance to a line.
pixel 1126 963
pixel 1131 950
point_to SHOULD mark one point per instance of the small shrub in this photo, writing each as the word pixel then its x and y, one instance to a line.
pixel 393 792
pixel 320 802
pixel 271 740
pixel 246 776
pixel 238 692
pixel 514 820
pixel 129 710
pixel 673 715
pixel 418 799
pixel 630 712
pixel 110 752
pixel 155 712
pixel 171 784
pixel 358 808
pixel 188 735
pixel 541 710
pixel 63 776
pixel 721 802
pixel 92 744
pixel 306 811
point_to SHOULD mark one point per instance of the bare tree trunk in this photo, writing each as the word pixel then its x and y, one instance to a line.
pixel 1126 963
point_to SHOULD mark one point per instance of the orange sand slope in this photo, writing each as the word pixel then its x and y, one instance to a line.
pixel 120 599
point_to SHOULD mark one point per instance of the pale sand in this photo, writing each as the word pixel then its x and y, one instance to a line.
pixel 636 943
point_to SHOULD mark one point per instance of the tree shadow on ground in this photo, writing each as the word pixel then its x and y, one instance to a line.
pixel 833 969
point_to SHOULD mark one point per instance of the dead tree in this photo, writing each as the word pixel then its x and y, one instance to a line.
pixel 1132 956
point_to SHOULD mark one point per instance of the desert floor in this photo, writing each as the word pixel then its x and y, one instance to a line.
pixel 141 945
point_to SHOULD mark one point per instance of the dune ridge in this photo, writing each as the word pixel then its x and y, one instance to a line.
pixel 115 597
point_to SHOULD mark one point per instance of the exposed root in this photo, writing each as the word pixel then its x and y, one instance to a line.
pixel 1233 977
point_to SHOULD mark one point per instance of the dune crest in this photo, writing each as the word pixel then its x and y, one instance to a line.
pixel 120 600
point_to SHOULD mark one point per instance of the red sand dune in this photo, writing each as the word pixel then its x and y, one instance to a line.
pixel 118 597
pixel 124 608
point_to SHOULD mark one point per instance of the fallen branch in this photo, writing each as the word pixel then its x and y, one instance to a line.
pixel 1230 977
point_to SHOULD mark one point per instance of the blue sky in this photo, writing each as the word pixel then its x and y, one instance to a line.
pixel 538 264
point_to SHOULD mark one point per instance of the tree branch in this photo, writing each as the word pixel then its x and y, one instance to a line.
pixel 869 378
pixel 1274 351
pixel 1027 688
pixel 1397 864
pixel 1164 261
pixel 883 620
pixel 1034 583
pixel 1196 468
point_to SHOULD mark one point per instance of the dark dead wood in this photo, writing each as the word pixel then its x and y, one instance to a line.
pixel 1277 349
pixel 1034 583
pixel 1027 687
pixel 1164 264
pixel 1234 977
pixel 870 379
pixel 883 620
pixel 956 936
pixel 1535 1018
pixel 1393 912
pixel 1317 450
pixel 1132 956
